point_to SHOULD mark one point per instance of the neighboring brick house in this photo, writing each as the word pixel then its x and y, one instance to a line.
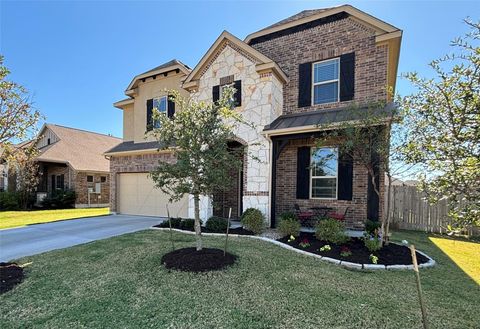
pixel 290 77
pixel 72 159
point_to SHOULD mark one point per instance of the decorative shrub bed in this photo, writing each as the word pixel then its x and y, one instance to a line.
pixel 178 225
pixel 191 260
pixel 354 250
pixel 10 275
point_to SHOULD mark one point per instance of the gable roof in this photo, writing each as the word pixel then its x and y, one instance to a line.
pixel 169 66
pixel 300 15
pixel 308 16
pixel 263 62
pixel 82 150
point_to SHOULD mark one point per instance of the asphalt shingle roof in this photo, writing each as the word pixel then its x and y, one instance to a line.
pixel 82 149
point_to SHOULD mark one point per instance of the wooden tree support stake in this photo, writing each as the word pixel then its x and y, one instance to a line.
pixel 419 287
pixel 170 225
pixel 228 228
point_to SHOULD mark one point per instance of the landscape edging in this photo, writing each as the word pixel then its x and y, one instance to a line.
pixel 355 266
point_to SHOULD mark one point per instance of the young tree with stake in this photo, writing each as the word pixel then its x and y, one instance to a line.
pixel 197 136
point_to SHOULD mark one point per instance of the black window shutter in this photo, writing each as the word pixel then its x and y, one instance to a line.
pixel 216 93
pixel 303 172
pixel 54 186
pixel 61 182
pixel 347 77
pixel 170 107
pixel 345 177
pixel 305 85
pixel 149 114
pixel 238 93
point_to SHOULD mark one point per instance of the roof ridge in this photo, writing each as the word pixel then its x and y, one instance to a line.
pixel 83 130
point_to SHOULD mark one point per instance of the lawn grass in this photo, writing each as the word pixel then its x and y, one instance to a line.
pixel 9 219
pixel 120 283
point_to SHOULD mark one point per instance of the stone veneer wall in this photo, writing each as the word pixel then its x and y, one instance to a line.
pixel 324 42
pixel 286 188
pixel 261 103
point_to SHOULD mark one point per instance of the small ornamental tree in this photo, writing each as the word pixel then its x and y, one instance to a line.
pixel 445 120
pixel 23 166
pixel 197 136
pixel 18 118
pixel 372 138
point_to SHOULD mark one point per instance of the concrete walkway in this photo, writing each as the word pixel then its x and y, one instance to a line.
pixel 35 239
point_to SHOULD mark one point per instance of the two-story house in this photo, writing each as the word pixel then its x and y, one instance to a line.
pixel 290 77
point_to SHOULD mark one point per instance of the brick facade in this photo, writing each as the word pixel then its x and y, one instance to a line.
pixel 324 42
pixel 319 43
pixel 132 164
pixel 286 188
pixel 82 186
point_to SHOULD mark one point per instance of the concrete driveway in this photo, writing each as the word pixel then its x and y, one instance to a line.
pixel 35 239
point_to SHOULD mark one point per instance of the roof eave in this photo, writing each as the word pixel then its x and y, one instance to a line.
pixel 379 25
pixel 130 89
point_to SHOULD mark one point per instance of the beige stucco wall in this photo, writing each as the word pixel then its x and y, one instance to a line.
pixel 149 89
pixel 262 102
pixel 128 123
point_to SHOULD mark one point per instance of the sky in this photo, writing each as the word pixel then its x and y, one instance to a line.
pixel 76 58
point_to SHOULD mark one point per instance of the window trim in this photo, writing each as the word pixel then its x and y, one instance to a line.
pixel 158 98
pixel 312 151
pixel 325 82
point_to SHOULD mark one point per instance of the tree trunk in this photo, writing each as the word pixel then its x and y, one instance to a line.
pixel 198 229
pixel 386 221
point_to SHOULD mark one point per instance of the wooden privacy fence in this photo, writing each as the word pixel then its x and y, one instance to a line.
pixel 409 210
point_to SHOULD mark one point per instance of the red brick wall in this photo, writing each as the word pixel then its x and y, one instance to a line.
pixel 327 41
pixel 286 188
pixel 81 188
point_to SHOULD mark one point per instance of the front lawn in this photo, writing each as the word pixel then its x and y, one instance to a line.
pixel 10 219
pixel 120 283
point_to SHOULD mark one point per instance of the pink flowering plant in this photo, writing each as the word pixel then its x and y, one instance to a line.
pixel 304 243
pixel 345 252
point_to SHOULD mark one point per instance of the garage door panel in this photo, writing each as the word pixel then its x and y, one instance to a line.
pixel 138 196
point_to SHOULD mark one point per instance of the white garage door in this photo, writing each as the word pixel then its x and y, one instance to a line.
pixel 138 196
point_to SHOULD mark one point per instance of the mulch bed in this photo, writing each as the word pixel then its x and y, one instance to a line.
pixel 10 275
pixel 393 254
pixel 238 231
pixel 191 260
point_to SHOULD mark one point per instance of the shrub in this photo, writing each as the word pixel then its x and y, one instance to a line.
pixel 373 243
pixel 176 223
pixel 187 224
pixel 371 226
pixel 288 215
pixel 331 230
pixel 253 220
pixel 289 226
pixel 9 201
pixel 60 200
pixel 217 224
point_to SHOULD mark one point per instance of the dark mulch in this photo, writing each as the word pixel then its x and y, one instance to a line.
pixel 191 260
pixel 10 275
pixel 238 231
pixel 393 254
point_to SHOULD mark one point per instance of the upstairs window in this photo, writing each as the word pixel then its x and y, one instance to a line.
pixel 90 179
pixel 161 104
pixel 325 81
pixel 324 173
